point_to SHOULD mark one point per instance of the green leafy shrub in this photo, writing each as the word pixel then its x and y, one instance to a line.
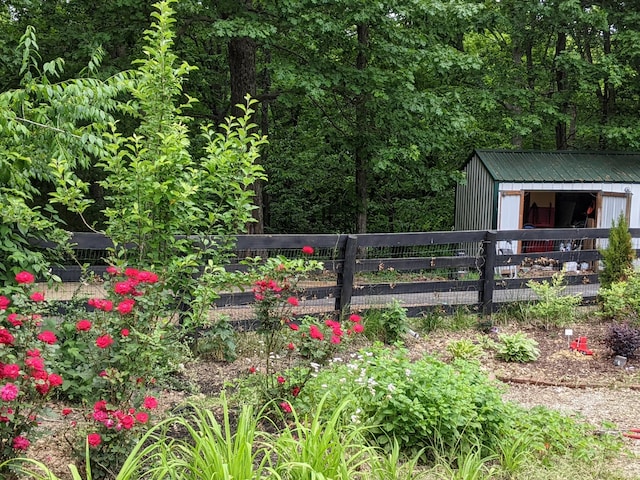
pixel 465 350
pixel 387 325
pixel 413 402
pixel 621 299
pixel 216 340
pixel 623 340
pixel 553 308
pixel 517 348
pixel 618 256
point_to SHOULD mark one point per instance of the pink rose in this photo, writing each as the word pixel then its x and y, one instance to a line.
pixel 9 392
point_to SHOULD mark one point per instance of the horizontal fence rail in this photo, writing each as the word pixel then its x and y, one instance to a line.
pixel 479 270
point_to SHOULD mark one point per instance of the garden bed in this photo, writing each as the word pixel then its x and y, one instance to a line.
pixel 586 387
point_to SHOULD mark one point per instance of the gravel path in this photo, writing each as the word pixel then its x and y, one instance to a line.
pixel 596 405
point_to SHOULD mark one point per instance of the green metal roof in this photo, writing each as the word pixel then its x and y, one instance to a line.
pixel 561 166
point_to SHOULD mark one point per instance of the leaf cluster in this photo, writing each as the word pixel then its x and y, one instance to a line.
pixel 623 339
pixel 517 348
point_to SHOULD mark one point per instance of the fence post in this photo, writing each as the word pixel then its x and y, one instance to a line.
pixel 486 294
pixel 347 276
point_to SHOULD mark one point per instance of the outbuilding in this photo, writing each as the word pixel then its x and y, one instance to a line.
pixel 513 189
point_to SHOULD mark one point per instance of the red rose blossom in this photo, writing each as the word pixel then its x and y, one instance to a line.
pixel 124 332
pixel 20 443
pixel 293 301
pixel 307 250
pixel 123 288
pixel 94 439
pixel 315 333
pixel 37 296
pixel 150 403
pixel 4 302
pixel 126 306
pixel 55 380
pixel 147 277
pixel 142 417
pixel 83 325
pixel 286 407
pixel 47 337
pixel 14 319
pixel 131 272
pixel 104 341
pixel 66 411
pixel 25 278
pixel 111 270
pixel 10 370
pixel 5 337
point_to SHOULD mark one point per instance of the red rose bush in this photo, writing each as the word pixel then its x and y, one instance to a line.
pixel 27 380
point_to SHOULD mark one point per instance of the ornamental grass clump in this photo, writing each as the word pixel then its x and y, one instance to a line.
pixel 27 380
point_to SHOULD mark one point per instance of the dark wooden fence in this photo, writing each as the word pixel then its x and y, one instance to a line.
pixel 422 270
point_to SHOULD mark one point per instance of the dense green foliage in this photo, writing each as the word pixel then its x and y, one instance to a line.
pixel 370 108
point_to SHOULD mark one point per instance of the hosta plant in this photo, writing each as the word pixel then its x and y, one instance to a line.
pixel 517 348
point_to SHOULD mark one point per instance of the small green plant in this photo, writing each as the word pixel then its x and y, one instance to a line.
pixel 462 319
pixel 431 320
pixel 621 299
pixel 517 348
pixel 618 256
pixel 388 325
pixel 553 309
pixel 623 340
pixel 217 341
pixel 465 350
pixel 518 311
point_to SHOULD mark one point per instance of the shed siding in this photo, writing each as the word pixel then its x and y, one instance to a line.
pixel 475 200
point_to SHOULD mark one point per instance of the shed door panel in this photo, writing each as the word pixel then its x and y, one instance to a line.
pixel 510 216
pixel 610 208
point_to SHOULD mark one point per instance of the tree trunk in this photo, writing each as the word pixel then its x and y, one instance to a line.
pixel 361 150
pixel 242 70
pixel 561 90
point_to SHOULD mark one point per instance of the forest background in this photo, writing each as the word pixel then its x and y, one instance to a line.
pixel 370 108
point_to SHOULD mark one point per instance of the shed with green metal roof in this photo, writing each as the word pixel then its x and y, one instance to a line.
pixel 512 189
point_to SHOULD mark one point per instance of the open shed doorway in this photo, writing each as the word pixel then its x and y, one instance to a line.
pixel 546 209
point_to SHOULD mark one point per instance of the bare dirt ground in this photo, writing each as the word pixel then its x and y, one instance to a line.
pixel 587 387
